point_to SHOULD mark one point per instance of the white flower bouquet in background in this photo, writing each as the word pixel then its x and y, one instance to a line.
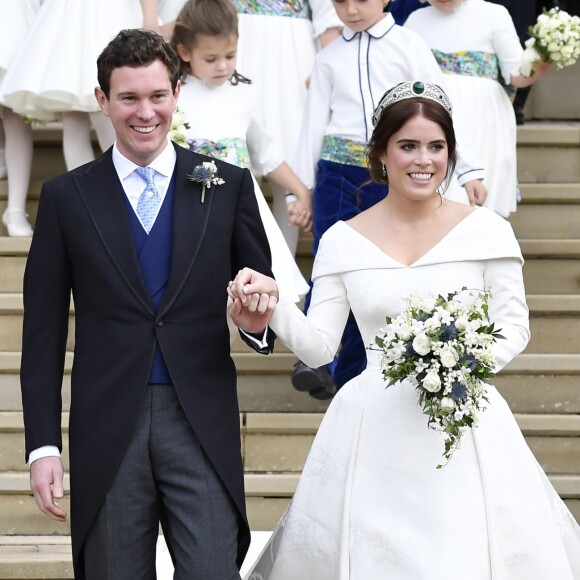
pixel 442 346
pixel 179 126
pixel 554 37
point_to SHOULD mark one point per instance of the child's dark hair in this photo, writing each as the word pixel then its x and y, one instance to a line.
pixel 208 17
pixel 134 48
pixel 394 117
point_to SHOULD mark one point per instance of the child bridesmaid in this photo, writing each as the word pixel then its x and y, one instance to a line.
pixel 224 115
pixel 56 73
pixel 476 45
pixel 16 136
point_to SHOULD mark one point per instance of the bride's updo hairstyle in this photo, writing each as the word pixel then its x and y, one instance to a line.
pixel 398 106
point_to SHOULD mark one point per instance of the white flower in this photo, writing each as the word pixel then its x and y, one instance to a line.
pixel 179 126
pixel 432 382
pixel 448 357
pixel 433 323
pixel 421 344
pixel 447 403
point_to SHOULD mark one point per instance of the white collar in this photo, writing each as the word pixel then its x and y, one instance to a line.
pixel 164 163
pixel 376 31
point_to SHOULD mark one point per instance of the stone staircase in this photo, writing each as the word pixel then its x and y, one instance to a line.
pixel 277 423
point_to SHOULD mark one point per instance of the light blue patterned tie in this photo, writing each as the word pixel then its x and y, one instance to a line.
pixel 149 200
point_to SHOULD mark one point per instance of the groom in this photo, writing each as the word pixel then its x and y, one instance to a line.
pixel 147 252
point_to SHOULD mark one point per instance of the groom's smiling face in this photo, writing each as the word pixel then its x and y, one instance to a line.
pixel 140 106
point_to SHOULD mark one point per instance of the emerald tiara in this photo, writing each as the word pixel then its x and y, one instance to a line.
pixel 411 90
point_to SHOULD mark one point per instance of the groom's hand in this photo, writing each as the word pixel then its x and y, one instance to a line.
pixel 254 299
pixel 46 476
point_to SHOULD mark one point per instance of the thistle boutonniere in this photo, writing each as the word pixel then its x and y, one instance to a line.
pixel 206 174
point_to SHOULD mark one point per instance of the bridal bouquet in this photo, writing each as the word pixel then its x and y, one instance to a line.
pixel 442 346
pixel 179 126
pixel 554 37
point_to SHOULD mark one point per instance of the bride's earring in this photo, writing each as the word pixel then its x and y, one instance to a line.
pixel 384 172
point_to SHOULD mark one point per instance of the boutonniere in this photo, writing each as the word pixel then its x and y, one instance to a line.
pixel 206 174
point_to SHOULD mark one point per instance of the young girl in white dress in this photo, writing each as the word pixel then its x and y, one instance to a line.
pixel 371 503
pixel 278 43
pixel 477 46
pixel 56 72
pixel 16 18
pixel 224 115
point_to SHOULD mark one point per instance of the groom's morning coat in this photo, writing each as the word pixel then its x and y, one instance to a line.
pixel 83 242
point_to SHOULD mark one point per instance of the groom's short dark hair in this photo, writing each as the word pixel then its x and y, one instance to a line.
pixel 136 47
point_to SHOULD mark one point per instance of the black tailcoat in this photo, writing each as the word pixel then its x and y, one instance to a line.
pixel 83 243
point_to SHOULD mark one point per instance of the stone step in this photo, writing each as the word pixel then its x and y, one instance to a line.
pixel 554 95
pixel 531 383
pixel 267 496
pixel 559 201
pixel 549 152
pixel 554 321
pixel 552 265
pixel 548 211
pixel 279 442
pixel 50 556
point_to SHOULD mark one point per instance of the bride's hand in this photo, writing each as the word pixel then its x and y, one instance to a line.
pixel 254 297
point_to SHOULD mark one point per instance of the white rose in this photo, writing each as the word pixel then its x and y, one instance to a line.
pixel 421 344
pixel 432 382
pixel 553 47
pixel 404 333
pixel 448 357
pixel 427 304
pixel 433 323
pixel 567 51
pixel 447 403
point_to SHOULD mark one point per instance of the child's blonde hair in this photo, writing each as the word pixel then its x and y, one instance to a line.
pixel 208 17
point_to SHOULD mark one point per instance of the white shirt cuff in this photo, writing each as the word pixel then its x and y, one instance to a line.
pixel 260 343
pixel 44 451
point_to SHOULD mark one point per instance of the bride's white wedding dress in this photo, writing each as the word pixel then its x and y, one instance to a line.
pixel 371 504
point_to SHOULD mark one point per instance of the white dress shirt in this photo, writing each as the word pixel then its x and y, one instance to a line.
pixel 349 78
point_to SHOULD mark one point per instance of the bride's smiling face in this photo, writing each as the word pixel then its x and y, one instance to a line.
pixel 416 159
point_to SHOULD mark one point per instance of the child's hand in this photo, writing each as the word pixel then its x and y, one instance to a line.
pixel 476 192
pixel 300 216
pixel 541 67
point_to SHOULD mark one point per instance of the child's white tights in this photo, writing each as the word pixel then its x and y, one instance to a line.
pixel 76 136
pixel 18 154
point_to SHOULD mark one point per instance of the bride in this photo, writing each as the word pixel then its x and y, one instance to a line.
pixel 370 504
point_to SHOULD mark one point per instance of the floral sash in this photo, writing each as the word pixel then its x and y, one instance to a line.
pixel 473 63
pixel 288 8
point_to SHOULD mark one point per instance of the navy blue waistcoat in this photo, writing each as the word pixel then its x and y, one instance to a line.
pixel 154 253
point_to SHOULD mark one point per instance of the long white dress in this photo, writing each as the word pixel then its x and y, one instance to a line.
pixel 370 504
pixel 56 69
pixel 226 122
pixel 477 47
pixel 276 50
pixel 15 20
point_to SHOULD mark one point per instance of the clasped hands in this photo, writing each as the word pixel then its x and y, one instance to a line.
pixel 254 297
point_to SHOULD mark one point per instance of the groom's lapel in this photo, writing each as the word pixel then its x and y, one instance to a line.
pixel 190 219
pixel 103 196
